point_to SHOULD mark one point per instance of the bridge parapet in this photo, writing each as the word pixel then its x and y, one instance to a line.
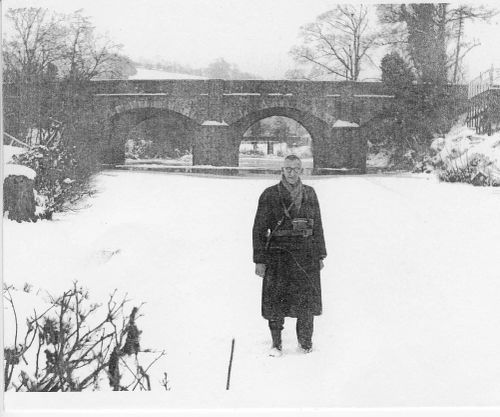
pixel 302 88
pixel 238 87
pixel 130 87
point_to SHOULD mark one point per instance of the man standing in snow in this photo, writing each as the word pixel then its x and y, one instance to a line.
pixel 288 251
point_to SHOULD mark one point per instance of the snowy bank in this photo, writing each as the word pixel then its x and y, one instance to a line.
pixel 463 149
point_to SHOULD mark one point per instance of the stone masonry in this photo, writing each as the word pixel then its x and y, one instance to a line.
pixel 217 113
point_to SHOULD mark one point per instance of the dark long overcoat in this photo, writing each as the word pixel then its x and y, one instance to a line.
pixel 291 285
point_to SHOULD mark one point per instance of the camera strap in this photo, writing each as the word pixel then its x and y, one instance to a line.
pixel 285 209
pixel 280 221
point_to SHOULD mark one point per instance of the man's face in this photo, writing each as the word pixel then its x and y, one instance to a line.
pixel 292 170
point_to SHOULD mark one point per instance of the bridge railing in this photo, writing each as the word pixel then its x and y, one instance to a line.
pixel 487 80
pixel 11 140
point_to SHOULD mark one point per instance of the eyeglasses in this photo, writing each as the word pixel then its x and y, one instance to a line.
pixel 289 170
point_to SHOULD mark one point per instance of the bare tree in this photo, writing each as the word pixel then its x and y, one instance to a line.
pixel 457 19
pixel 31 49
pixel 33 44
pixel 297 74
pixel 38 41
pixel 41 47
pixel 338 42
pixel 88 55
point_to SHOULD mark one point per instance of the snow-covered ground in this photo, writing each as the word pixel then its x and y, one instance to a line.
pixel 411 288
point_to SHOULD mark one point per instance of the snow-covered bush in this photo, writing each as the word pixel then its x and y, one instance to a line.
pixel 61 180
pixel 378 158
pixel 68 343
pixel 464 156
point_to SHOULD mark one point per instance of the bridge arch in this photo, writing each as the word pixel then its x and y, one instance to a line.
pixel 129 116
pixel 312 124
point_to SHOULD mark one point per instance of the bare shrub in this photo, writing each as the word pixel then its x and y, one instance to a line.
pixel 75 345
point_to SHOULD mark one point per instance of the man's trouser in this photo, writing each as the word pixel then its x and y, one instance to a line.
pixel 304 328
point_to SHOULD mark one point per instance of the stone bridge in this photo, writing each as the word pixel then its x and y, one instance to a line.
pixel 216 114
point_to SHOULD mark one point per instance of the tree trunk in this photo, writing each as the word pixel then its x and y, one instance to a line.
pixel 459 40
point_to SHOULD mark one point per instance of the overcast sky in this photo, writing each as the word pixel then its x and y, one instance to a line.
pixel 256 35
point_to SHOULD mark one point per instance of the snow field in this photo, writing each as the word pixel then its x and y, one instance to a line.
pixel 410 287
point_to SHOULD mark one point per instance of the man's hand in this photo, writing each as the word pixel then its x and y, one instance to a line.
pixel 321 264
pixel 260 270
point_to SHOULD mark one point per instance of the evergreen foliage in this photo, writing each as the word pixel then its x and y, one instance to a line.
pixel 420 112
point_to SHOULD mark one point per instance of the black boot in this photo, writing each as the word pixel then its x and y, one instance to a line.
pixel 305 325
pixel 276 326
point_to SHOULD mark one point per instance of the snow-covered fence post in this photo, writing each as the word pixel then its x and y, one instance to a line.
pixel 18 194
pixel 18 184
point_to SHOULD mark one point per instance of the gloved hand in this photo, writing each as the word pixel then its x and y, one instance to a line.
pixel 260 270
